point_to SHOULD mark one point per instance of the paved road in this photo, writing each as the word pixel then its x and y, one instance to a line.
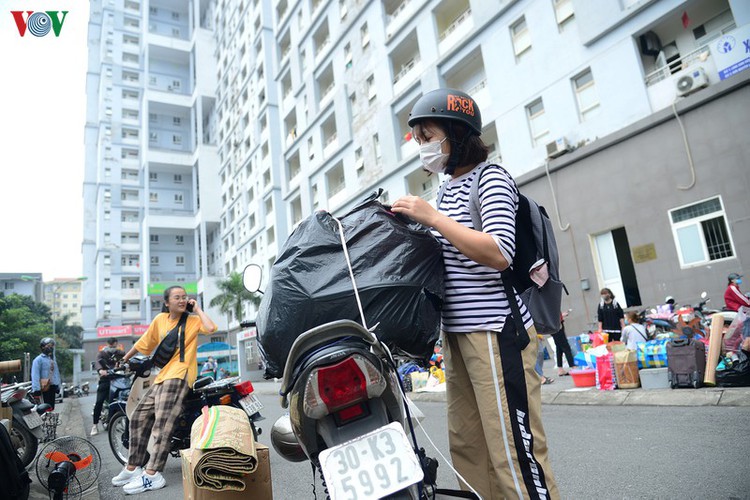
pixel 596 451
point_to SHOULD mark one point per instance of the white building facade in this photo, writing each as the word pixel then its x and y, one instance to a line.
pixel 150 184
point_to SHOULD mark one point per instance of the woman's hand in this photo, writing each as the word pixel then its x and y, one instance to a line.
pixel 194 303
pixel 417 209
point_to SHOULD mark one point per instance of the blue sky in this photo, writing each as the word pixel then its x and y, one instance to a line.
pixel 42 118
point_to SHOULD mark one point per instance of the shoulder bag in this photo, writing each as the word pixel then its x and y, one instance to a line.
pixel 165 350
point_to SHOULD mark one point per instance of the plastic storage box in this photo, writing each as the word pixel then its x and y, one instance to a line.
pixel 584 377
pixel 654 378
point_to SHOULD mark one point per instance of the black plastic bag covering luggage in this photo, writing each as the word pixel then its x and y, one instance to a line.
pixel 398 267
pixel 738 375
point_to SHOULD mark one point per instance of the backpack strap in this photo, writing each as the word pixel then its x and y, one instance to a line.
pixel 181 334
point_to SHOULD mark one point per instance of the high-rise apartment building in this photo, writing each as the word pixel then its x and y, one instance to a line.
pixel 151 181
pixel 64 298
pixel 313 99
pixel 214 127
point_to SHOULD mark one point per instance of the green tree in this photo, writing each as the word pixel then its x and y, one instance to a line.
pixel 233 295
pixel 24 322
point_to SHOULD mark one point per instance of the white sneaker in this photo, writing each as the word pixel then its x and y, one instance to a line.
pixel 146 482
pixel 95 430
pixel 125 476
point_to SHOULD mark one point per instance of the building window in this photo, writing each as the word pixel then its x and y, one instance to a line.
pixel 588 100
pixel 179 239
pixel 364 34
pixel 372 91
pixel 537 121
pixel 521 37
pixel 154 239
pixel 178 198
pixel 107 283
pixel 701 233
pixel 178 178
pixel 376 148
pixel 154 260
pixel 179 260
pixel 563 11
pixel 153 197
pixel 153 176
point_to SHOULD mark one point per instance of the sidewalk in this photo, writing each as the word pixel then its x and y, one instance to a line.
pixel 563 392
pixel 71 424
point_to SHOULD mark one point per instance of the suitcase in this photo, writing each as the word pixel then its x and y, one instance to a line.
pixel 686 362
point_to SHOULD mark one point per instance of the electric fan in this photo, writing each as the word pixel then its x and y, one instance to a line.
pixel 68 466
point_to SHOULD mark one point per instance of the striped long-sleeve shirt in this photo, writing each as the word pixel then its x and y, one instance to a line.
pixel 474 296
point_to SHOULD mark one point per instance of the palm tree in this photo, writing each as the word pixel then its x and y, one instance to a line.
pixel 232 296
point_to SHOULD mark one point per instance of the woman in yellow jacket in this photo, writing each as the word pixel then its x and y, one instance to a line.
pixel 157 413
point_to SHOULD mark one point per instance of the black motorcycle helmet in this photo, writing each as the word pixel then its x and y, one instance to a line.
pixel 454 106
pixel 46 341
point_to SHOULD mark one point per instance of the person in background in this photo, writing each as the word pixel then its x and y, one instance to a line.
pixel 494 395
pixel 45 375
pixel 610 315
pixel 105 361
pixel 156 414
pixel 734 299
pixel 669 302
pixel 634 333
pixel 562 347
pixel 209 367
pixel 540 362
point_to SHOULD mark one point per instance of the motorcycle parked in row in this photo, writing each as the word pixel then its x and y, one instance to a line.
pixel 205 392
pixel 27 429
pixel 347 414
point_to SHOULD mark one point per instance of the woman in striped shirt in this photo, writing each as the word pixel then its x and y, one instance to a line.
pixel 497 441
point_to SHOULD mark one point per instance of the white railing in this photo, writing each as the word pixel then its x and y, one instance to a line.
pixel 398 11
pixel 664 72
pixel 406 68
pixel 460 19
pixel 476 88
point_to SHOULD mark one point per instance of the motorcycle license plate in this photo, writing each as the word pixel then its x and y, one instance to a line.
pixel 371 466
pixel 32 420
pixel 251 404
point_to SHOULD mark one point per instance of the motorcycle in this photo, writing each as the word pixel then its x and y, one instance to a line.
pixel 347 415
pixel 27 428
pixel 205 392
pixel 85 388
pixel 119 389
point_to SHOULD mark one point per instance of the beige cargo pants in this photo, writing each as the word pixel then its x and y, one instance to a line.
pixel 495 431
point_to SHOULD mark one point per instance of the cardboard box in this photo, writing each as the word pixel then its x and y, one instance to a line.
pixel 257 485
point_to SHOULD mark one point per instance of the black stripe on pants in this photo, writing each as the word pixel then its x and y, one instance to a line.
pixel 518 408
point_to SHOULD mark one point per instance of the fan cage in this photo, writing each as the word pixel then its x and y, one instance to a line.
pixel 75 449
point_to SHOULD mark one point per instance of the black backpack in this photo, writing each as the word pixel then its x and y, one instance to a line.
pixel 535 244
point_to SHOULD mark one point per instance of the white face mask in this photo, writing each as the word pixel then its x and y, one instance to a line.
pixel 432 156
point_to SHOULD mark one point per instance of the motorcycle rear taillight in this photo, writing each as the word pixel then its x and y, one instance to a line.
pixel 17 395
pixel 338 386
pixel 244 388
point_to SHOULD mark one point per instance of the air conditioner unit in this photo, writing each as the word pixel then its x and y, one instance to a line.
pixel 692 80
pixel 557 148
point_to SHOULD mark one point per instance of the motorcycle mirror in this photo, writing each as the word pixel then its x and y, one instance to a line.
pixel 704 295
pixel 251 278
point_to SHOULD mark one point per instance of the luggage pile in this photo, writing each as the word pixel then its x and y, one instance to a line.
pixel 670 360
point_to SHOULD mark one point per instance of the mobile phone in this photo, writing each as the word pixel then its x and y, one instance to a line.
pixel 189 307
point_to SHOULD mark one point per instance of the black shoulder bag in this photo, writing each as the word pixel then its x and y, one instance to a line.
pixel 165 350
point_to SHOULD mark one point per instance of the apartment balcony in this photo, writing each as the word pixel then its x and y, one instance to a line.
pixel 131 315
pixel 331 146
pixel 130 247
pixel 136 270
pixel 130 227
pixel 409 148
pixel 326 95
pixel 130 294
pixel 170 32
pixel 661 84
pixel 130 203
pixel 481 93
pixel 407 74
pixel 403 12
pixel 455 31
